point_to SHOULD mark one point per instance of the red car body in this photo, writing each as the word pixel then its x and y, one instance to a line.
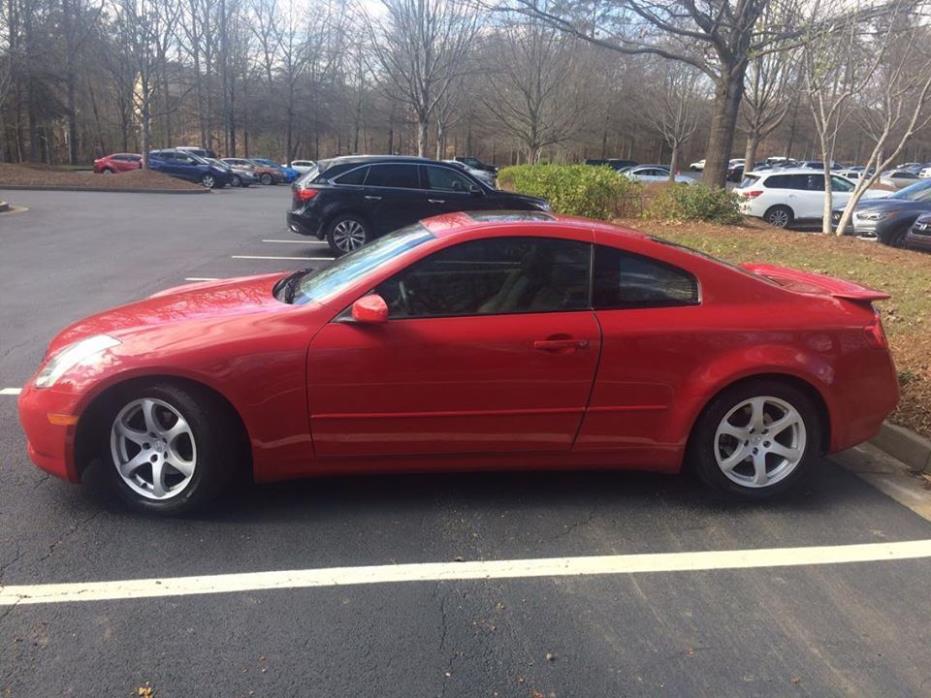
pixel 588 389
pixel 118 162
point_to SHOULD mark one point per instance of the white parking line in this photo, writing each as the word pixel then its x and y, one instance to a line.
pixel 201 278
pixel 10 391
pixel 299 242
pixel 454 571
pixel 252 256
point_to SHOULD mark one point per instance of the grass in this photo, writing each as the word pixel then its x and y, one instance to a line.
pixel 904 274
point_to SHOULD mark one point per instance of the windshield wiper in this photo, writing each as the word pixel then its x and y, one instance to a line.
pixel 290 283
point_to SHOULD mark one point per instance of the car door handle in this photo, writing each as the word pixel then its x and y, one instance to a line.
pixel 372 198
pixel 437 201
pixel 560 344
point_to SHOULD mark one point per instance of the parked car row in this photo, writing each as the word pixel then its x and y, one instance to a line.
pixel 203 166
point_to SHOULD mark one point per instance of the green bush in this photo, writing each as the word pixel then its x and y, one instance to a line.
pixel 694 202
pixel 577 190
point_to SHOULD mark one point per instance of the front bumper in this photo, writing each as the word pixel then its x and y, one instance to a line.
pixel 919 236
pixel 49 439
pixel 856 226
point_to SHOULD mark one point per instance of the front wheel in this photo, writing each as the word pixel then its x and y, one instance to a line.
pixel 894 237
pixel 266 179
pixel 756 439
pixel 347 233
pixel 209 181
pixel 235 181
pixel 779 216
pixel 171 449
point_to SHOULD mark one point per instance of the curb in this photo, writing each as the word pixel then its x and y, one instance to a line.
pixel 26 187
pixel 906 446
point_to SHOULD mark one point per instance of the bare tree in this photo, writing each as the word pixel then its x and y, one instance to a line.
pixel 420 46
pixel 768 95
pixel 676 110
pixel 895 102
pixel 532 73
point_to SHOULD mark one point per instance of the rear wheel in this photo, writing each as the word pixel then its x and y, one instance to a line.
pixel 171 449
pixel 107 170
pixel 266 178
pixel 756 439
pixel 779 216
pixel 347 233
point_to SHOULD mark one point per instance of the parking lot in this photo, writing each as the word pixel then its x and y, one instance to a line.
pixel 717 628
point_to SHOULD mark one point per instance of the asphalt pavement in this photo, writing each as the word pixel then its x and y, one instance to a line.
pixel 816 629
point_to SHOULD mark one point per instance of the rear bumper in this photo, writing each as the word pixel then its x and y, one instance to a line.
pixel 50 446
pixel 866 392
pixel 303 224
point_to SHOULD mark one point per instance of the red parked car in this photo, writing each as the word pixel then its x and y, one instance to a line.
pixel 117 162
pixel 468 341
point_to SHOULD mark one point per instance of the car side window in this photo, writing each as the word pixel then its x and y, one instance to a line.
pixel 356 176
pixel 444 179
pixel 494 276
pixel 400 176
pixel 777 182
pixel 625 280
pixel 841 184
pixel 815 182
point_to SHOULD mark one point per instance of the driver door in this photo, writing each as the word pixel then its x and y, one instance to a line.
pixel 490 347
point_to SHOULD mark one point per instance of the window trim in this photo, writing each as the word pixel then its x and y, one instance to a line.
pixel 345 315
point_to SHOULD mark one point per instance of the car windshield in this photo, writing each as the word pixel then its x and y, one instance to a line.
pixel 321 285
pixel 919 191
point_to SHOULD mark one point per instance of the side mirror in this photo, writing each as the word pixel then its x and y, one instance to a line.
pixel 475 190
pixel 370 310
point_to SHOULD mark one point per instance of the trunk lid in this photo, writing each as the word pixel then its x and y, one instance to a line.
pixel 818 284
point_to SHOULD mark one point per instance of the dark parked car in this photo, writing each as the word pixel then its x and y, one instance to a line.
pixel 477 164
pixel 614 163
pixel 350 200
pixel 889 219
pixel 186 165
pixel 919 235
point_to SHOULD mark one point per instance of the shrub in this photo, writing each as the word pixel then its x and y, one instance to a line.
pixel 694 202
pixel 577 190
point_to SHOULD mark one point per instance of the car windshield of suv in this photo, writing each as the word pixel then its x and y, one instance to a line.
pixel 321 285
pixel 919 191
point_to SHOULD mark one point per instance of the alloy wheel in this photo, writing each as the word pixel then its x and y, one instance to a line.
pixel 208 181
pixel 778 218
pixel 348 235
pixel 760 441
pixel 153 448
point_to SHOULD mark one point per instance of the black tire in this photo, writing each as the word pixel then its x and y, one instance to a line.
pixel 702 444
pixel 218 452
pixel 779 216
pixel 235 181
pixel 266 179
pixel 209 181
pixel 343 241
pixel 895 237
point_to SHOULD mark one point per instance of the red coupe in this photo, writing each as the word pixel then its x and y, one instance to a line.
pixel 118 162
pixel 468 341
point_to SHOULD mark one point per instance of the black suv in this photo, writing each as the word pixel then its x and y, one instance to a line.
pixel 351 200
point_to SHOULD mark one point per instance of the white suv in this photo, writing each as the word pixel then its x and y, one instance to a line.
pixel 784 197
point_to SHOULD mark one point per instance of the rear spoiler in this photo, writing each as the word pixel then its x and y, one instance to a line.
pixel 809 282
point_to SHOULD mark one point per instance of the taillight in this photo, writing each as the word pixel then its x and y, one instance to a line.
pixel 752 194
pixel 875 335
pixel 305 194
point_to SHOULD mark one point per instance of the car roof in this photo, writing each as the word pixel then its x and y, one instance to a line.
pixel 370 159
pixel 786 171
pixel 519 222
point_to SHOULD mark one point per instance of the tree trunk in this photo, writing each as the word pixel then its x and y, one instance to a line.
pixel 727 95
pixel 423 124
pixel 674 163
pixel 750 152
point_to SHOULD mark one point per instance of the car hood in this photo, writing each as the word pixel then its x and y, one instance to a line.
pixel 534 201
pixel 206 303
pixel 888 204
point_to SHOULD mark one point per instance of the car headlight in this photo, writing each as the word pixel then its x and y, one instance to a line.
pixel 874 215
pixel 77 353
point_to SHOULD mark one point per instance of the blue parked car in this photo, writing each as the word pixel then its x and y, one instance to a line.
pixel 186 165
pixel 288 173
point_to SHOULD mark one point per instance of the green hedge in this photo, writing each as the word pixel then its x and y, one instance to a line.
pixel 577 190
pixel 694 202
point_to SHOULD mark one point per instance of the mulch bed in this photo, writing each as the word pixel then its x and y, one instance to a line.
pixel 39 177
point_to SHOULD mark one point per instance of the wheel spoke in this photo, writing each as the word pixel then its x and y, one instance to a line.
pixel 127 469
pixel 158 478
pixel 789 419
pixel 127 432
pixel 756 413
pixel 759 468
pixel 787 452
pixel 739 433
pixel 180 427
pixel 736 458
pixel 148 414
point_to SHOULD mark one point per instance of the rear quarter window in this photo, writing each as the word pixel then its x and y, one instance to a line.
pixel 625 280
